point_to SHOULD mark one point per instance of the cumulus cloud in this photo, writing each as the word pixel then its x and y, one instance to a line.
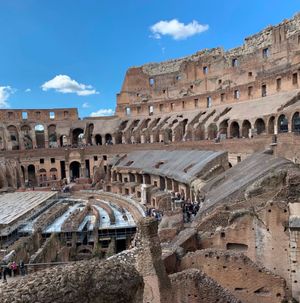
pixel 27 90
pixel 103 112
pixel 64 84
pixel 177 30
pixel 5 92
pixel 85 105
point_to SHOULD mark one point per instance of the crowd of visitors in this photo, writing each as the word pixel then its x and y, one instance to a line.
pixel 11 269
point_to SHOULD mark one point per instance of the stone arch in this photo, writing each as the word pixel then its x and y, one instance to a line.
pixel 77 136
pixel 27 140
pixel 234 130
pixel 14 137
pixel 223 127
pixel 40 135
pixel 98 139
pixel 31 175
pixel 42 175
pixel 212 131
pixel 296 122
pixel 271 125
pixel 75 167
pixel 260 126
pixel 108 139
pixel 63 140
pixel 52 135
pixel 246 127
pixel 282 124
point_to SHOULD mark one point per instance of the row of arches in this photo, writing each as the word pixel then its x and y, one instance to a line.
pixel 28 138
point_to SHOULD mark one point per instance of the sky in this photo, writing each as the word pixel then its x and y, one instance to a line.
pixel 75 53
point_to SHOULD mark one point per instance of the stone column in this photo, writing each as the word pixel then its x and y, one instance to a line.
pixel 46 135
pixel 157 287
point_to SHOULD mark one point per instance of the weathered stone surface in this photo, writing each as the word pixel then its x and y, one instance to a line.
pixel 84 282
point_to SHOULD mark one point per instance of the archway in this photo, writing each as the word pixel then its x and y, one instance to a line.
pixel 246 126
pixel 25 129
pixel 223 127
pixel 260 126
pixel 40 135
pixel 212 131
pixel 234 130
pixel 98 139
pixel 52 135
pixel 77 136
pixel 282 124
pixel 53 173
pixel 108 139
pixel 14 137
pixel 31 175
pixel 63 141
pixel 42 176
pixel 271 124
pixel 296 122
pixel 75 170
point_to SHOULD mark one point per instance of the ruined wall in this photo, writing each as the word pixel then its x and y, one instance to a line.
pixel 193 286
pixel 83 282
pixel 239 274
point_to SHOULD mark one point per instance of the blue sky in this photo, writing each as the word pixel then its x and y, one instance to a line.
pixel 74 53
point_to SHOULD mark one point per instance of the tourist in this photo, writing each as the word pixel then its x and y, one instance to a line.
pixel 22 268
pixel 14 268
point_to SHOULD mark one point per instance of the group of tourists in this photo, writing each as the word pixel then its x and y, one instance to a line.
pixel 155 213
pixel 190 210
pixel 11 269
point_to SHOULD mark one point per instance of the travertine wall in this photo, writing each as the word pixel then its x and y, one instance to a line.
pixel 186 84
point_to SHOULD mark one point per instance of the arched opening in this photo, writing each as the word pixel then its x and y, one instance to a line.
pixel 31 175
pixel 271 124
pixel 108 139
pixel 42 177
pixel 212 131
pixel 131 177
pixel 14 137
pixel 223 127
pixel 25 129
pixel 90 133
pixel 234 130
pixel 74 170
pixel 63 141
pixel 52 135
pixel 53 173
pixel 98 139
pixel 283 124
pixel 77 136
pixel 260 126
pixel 169 134
pixel 40 135
pixel 246 127
pixel 296 122
pixel 23 172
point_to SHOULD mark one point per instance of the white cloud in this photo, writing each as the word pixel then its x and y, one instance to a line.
pixel 103 112
pixel 85 105
pixel 64 84
pixel 5 92
pixel 27 90
pixel 177 30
